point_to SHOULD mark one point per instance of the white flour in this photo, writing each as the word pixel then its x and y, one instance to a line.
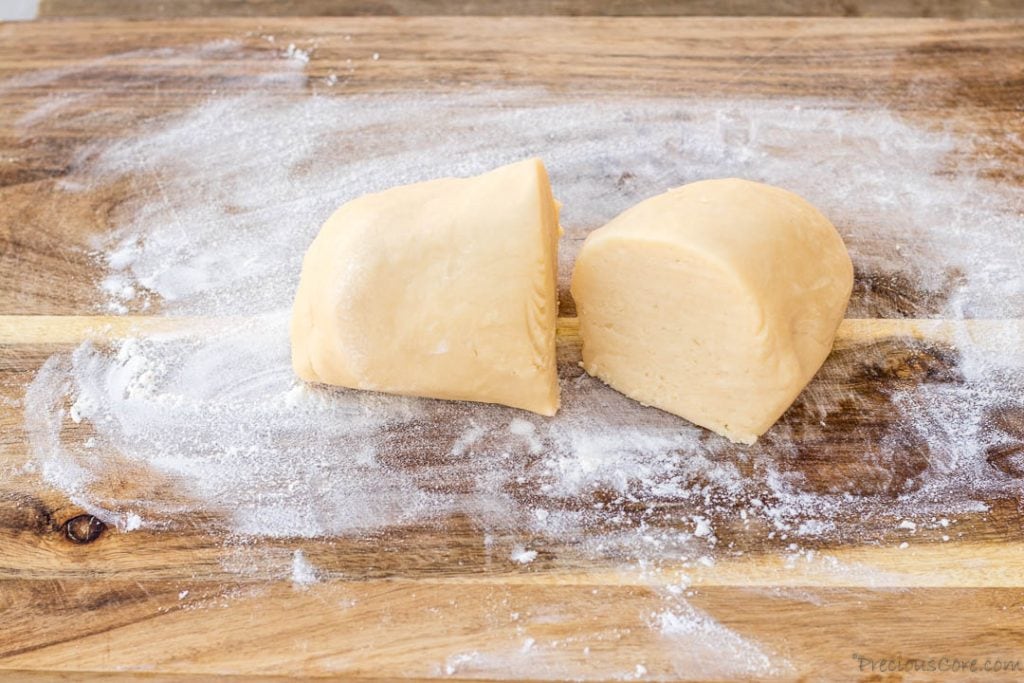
pixel 231 194
pixel 228 196
pixel 303 573
pixel 723 651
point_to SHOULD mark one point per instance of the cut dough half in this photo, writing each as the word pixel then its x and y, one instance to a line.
pixel 717 301
pixel 444 289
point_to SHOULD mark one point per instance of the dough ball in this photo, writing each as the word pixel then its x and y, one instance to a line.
pixel 443 289
pixel 716 301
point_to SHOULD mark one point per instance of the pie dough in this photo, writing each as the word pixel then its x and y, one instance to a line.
pixel 716 301
pixel 445 289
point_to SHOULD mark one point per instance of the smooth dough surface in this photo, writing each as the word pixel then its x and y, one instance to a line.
pixel 444 289
pixel 717 301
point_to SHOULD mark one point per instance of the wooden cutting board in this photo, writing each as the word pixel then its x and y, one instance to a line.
pixel 82 600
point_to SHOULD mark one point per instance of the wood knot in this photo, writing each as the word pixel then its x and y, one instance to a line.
pixel 83 529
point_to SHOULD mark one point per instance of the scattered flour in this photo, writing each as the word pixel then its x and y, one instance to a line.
pixel 298 54
pixel 710 646
pixel 521 555
pixel 226 197
pixel 201 235
pixel 303 573
pixel 132 522
pixel 526 430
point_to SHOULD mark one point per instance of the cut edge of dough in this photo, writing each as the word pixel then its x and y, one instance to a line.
pixel 805 368
pixel 542 306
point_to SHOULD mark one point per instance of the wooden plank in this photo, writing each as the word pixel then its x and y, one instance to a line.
pixel 873 360
pixel 172 603
pixel 930 69
pixel 385 635
pixel 140 9
pixel 37 549
pixel 794 57
pixel 16 330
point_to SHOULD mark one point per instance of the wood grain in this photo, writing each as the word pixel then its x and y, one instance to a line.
pixel 186 602
pixel 959 76
pixel 853 332
pixel 141 9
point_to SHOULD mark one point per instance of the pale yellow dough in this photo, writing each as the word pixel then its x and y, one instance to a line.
pixel 443 289
pixel 716 301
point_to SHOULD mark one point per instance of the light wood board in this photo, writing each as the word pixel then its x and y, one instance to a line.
pixel 168 604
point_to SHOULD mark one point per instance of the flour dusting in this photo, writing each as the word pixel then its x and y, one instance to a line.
pixel 225 198
pixel 230 194
pixel 724 650
pixel 303 573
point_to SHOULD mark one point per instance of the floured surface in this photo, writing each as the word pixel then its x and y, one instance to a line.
pixel 958 232
pixel 893 443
